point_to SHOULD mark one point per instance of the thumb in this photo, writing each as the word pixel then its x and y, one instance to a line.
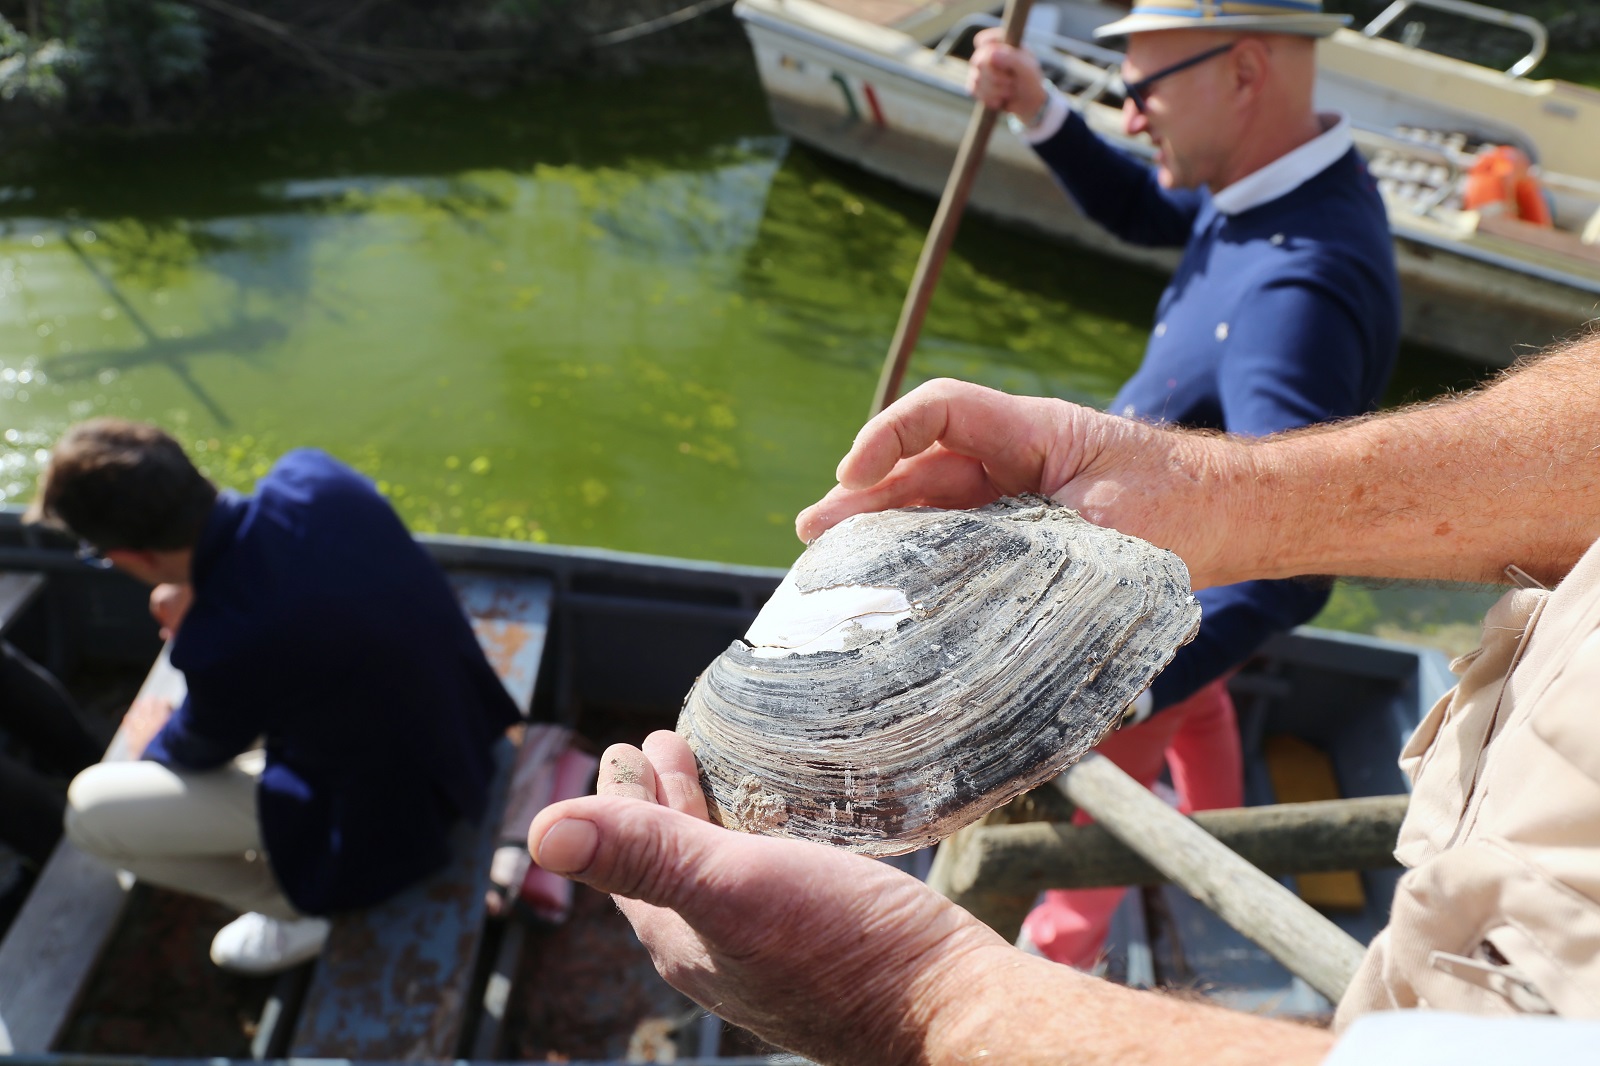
pixel 641 851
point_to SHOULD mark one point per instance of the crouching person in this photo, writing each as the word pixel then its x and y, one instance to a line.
pixel 340 715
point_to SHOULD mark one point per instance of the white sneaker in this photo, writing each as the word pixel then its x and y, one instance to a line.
pixel 256 945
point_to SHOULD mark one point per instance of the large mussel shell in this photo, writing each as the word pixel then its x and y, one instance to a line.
pixel 989 650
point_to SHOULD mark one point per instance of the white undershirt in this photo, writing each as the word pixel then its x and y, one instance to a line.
pixel 1291 170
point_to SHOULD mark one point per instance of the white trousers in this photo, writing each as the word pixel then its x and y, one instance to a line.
pixel 191 832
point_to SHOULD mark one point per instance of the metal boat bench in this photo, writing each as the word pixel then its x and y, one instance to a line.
pixel 17 591
pixel 393 983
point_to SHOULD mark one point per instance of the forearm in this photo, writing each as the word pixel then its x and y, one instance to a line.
pixel 1000 1005
pixel 1449 491
pixel 1117 191
pixel 217 719
pixel 1454 490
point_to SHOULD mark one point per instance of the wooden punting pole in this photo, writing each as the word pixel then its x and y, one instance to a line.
pixel 1306 942
pixel 943 231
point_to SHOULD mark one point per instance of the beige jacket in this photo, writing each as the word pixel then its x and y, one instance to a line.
pixel 1500 913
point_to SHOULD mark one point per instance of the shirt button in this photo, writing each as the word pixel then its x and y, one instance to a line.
pixel 1277 238
pixel 1161 329
pixel 1128 410
pixel 1222 331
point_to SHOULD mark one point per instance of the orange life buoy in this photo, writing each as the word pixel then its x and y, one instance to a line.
pixel 1500 176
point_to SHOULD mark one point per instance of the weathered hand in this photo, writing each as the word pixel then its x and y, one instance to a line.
pixel 847 960
pixel 827 953
pixel 954 444
pixel 1003 76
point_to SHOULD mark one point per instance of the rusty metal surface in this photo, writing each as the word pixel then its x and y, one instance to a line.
pixel 155 990
pixel 163 689
pixel 393 982
pixel 511 617
pixel 584 987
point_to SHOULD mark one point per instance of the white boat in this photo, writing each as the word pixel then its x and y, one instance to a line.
pixel 881 83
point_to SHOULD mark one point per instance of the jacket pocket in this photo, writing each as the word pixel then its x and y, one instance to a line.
pixel 1488 968
pixel 1483 930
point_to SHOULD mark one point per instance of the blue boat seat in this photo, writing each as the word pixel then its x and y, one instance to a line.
pixel 394 980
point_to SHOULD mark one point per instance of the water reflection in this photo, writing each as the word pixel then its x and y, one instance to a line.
pixel 241 337
pixel 624 314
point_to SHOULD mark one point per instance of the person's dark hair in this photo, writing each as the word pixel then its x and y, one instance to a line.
pixel 119 484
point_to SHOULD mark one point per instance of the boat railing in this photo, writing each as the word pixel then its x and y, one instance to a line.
pixel 1420 174
pixel 1094 53
pixel 1098 69
pixel 1413 147
pixel 1573 185
pixel 1466 9
pixel 1456 151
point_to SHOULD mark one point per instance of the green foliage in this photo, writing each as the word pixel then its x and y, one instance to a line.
pixel 102 52
pixel 128 50
pixel 1574 34
pixel 1351 608
pixel 32 70
pixel 143 63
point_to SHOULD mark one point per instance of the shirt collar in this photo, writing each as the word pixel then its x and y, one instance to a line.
pixel 1290 171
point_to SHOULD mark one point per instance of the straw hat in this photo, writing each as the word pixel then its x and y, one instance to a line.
pixel 1302 17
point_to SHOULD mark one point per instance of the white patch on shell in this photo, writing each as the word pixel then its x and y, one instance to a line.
pixel 795 622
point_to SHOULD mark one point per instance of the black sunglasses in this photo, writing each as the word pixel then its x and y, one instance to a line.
pixel 1138 91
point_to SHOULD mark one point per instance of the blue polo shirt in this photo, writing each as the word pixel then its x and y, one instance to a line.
pixel 1284 311
pixel 321 627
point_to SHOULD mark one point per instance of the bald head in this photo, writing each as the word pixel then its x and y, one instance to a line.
pixel 1226 116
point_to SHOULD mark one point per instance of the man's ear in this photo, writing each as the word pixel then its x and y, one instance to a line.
pixel 1252 63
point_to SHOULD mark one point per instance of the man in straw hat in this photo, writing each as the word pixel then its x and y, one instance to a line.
pixel 1284 311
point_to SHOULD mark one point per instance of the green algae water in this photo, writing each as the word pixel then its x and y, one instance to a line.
pixel 625 314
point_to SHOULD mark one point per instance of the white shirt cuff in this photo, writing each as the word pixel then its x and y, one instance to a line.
pixel 1440 1038
pixel 1056 106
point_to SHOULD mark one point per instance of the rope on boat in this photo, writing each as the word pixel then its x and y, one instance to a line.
pixel 655 25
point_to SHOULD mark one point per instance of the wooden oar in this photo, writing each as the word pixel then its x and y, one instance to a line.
pixel 1286 838
pixel 1309 945
pixel 943 231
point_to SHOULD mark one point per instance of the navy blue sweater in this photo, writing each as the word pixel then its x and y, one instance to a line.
pixel 321 625
pixel 1279 316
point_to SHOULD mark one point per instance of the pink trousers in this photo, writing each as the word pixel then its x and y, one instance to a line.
pixel 1198 742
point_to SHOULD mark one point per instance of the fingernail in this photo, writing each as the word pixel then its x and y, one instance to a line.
pixel 568 846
